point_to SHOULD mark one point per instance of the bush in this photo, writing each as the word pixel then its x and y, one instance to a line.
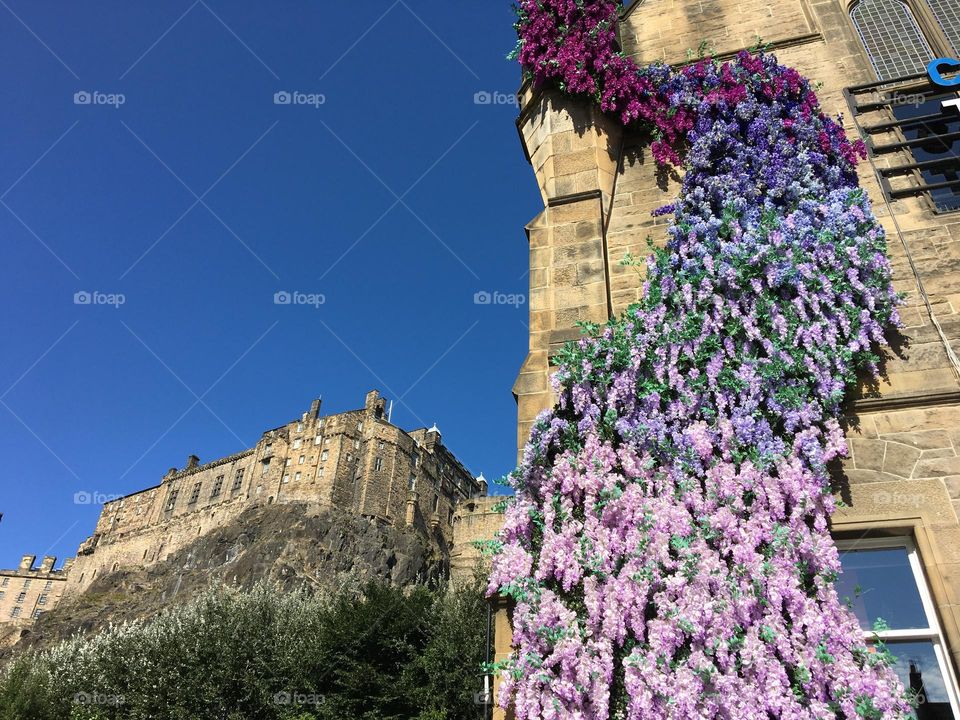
pixel 387 654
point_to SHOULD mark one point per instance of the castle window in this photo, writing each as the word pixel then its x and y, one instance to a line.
pixel 42 600
pixel 883 578
pixel 413 482
pixel 286 478
pixel 320 473
pixel 21 597
pixel 891 37
pixel 296 477
pixel 266 467
pixel 6 582
pixel 3 594
pixel 195 495
pixel 378 463
pixel 297 443
pixel 299 427
pixel 238 480
pixel 318 439
pixel 301 460
pixel 172 499
pixel 289 462
pixel 356 444
pixel 37 614
pixel 217 487
pixel 360 425
pixel 450 517
pixel 26 584
pixel 15 613
pixel 436 503
pixel 324 455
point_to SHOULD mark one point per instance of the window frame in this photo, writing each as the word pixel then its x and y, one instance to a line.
pixel 933 633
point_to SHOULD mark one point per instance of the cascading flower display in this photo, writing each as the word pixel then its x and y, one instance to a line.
pixel 668 545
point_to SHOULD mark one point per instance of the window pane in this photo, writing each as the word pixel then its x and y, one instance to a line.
pixel 880 585
pixel 946 199
pixel 917 668
pixel 948 15
pixel 891 37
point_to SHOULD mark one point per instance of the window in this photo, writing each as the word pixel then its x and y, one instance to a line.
pixel 356 444
pixel 296 477
pixel 15 613
pixel 286 478
pixel 884 584
pixel 891 37
pixel 299 427
pixel 21 597
pixel 413 482
pixel 436 503
pixel 195 495
pixel 948 17
pixel 42 600
pixel 26 584
pixel 172 499
pixel 378 463
pixel 380 445
pixel 5 583
pixel 217 487
pixel 238 480
pixel 318 439
pixel 301 460
pixel 297 443
pixel 37 613
pixel 266 467
pixel 360 425
pixel 289 462
pixel 324 455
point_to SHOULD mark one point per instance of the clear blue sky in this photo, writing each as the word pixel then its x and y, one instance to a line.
pixel 198 198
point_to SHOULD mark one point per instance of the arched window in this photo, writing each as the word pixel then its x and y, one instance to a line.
pixel 948 16
pixel 893 40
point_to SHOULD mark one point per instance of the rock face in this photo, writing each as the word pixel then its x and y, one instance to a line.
pixel 292 546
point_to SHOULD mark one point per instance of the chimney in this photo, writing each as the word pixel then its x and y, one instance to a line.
pixel 27 562
pixel 315 408
pixel 48 562
pixel 374 404
pixel 484 485
pixel 192 462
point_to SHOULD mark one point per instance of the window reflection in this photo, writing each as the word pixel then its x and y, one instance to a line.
pixel 918 669
pixel 879 584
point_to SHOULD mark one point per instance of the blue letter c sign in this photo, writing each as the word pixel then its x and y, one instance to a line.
pixel 935 67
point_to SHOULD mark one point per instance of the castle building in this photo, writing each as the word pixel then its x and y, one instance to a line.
pixel 357 461
pixel 29 591
pixel 898 533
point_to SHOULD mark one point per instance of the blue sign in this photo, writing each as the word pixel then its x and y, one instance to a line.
pixel 936 67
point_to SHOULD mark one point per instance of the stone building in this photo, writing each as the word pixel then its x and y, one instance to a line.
pixel 27 592
pixel 356 461
pixel 899 531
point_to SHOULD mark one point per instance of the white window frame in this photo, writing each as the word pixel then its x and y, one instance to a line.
pixel 933 633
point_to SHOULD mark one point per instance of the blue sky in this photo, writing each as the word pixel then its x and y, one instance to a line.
pixel 179 182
